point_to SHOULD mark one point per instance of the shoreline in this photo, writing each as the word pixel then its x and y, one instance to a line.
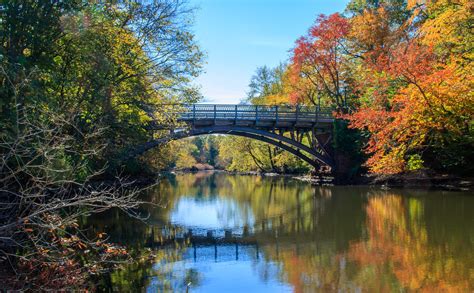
pixel 420 179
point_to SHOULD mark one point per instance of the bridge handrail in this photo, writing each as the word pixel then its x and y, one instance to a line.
pixel 256 112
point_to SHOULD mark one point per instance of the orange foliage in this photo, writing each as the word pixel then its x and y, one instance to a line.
pixel 435 98
pixel 413 94
pixel 397 240
pixel 404 71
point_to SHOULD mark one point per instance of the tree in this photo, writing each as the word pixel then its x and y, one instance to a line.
pixel 416 98
pixel 267 86
pixel 319 57
pixel 43 192
pixel 80 83
pixel 114 63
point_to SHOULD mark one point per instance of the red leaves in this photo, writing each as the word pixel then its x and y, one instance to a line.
pixel 412 61
pixel 330 28
pixel 411 88
pixel 428 99
pixel 294 98
pixel 322 41
pixel 319 57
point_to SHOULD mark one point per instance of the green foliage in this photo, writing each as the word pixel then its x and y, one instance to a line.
pixel 266 82
pixel 415 162
pixel 80 83
pixel 205 149
pixel 398 12
pixel 243 154
pixel 349 143
pixel 100 60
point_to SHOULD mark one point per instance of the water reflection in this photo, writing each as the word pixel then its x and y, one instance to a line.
pixel 405 244
pixel 221 233
pixel 210 213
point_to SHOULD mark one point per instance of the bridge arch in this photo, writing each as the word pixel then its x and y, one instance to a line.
pixel 294 147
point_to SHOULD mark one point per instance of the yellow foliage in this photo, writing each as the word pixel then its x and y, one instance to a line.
pixel 449 26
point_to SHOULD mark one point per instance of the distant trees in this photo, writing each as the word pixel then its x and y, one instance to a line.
pixel 232 153
pixel 186 153
pixel 206 150
pixel 245 154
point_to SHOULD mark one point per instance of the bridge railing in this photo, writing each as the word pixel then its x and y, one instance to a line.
pixel 253 112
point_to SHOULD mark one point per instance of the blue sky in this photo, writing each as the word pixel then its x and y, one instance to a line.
pixel 240 35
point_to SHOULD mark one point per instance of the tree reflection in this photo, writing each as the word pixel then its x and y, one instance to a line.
pixel 399 249
pixel 402 249
pixel 313 238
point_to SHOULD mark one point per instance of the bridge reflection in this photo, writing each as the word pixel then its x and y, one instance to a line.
pixel 200 244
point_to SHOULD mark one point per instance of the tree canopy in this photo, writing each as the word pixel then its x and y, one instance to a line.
pixel 81 82
pixel 399 72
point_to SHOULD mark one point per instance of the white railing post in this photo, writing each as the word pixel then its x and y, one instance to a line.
pixel 256 114
pixel 276 114
pixel 235 118
pixel 215 113
pixel 297 110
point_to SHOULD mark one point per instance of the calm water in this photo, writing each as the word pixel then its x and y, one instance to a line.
pixel 213 232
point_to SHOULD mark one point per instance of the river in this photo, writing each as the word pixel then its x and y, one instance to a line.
pixel 215 232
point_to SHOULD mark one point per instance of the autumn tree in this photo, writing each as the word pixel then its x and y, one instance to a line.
pixel 320 59
pixel 81 81
pixel 415 94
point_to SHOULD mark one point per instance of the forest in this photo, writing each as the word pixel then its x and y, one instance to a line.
pixel 82 82
pixel 399 77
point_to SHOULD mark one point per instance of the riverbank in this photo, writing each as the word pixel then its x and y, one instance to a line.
pixel 418 179
pixel 424 179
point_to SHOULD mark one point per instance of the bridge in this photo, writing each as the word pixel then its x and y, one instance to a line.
pixel 301 130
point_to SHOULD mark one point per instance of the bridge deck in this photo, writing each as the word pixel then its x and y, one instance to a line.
pixel 255 115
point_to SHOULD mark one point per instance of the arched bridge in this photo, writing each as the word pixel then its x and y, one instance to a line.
pixel 301 130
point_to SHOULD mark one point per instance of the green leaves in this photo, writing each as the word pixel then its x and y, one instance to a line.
pixel 112 64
